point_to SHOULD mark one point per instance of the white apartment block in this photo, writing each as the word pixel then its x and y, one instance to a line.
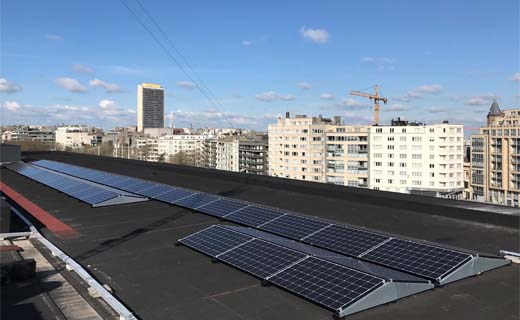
pixel 416 158
pixel 227 153
pixel 495 158
pixel 77 136
pixel 297 147
pixel 191 145
pixel 347 155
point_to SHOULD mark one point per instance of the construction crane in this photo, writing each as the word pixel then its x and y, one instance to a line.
pixel 374 97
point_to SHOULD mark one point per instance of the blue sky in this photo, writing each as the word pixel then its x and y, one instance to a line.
pixel 80 61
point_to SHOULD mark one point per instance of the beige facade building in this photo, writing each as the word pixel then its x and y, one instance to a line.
pixel 416 158
pixel 297 147
pixel 495 158
pixel 77 136
pixel 347 155
pixel 150 106
pixel 243 153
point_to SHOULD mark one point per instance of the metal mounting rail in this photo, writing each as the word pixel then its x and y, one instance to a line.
pixel 116 305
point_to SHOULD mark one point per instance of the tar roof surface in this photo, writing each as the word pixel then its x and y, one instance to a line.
pixel 131 247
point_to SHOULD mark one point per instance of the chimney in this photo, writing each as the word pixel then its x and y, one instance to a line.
pixel 287 115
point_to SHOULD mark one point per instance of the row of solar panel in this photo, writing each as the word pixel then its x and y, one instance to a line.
pixel 328 284
pixel 420 259
pixel 80 190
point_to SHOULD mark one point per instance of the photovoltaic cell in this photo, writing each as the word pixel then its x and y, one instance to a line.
pixel 173 195
pixel 221 207
pixel 417 258
pixel 215 240
pixel 328 284
pixel 155 191
pixel 75 188
pixel 261 258
pixel 345 240
pixel 195 201
pixel 293 226
pixel 253 215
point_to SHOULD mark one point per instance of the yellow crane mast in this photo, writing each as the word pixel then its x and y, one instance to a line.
pixel 374 97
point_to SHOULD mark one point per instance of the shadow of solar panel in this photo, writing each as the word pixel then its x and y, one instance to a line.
pixel 417 258
pixel 196 200
pixel 253 215
pixel 326 283
pixel 222 207
pixel 214 240
pixel 173 195
pixel 261 258
pixel 293 226
pixel 345 240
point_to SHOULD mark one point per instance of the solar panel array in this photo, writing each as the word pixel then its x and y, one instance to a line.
pixel 328 284
pixel 85 192
pixel 425 261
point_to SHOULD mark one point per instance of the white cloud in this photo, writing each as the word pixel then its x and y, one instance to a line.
pixel 71 85
pixel 273 96
pixel 437 110
pixel 109 87
pixel 479 100
pixel 54 37
pixel 131 111
pixel 11 105
pixel 105 103
pixel 382 60
pixel 79 68
pixel 247 43
pixel 188 85
pixel 319 35
pixel 327 96
pixel 419 92
pixel 349 102
pixel 429 88
pixel 304 85
pixel 214 118
pixel 7 86
pixel 395 107
pixel 516 77
pixel 108 116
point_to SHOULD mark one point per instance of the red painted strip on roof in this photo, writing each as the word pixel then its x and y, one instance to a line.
pixel 11 247
pixel 51 222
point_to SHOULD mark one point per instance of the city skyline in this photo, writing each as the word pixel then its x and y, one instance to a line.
pixel 430 61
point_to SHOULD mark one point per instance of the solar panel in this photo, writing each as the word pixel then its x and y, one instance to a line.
pixel 417 258
pixel 196 200
pixel 253 215
pixel 173 195
pixel 155 191
pixel 345 240
pixel 139 186
pixel 326 283
pixel 293 226
pixel 222 207
pixel 261 258
pixel 85 191
pixel 215 240
pixel 75 188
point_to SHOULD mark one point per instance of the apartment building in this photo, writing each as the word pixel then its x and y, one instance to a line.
pixel 150 106
pixel 77 136
pixel 495 158
pixel 31 133
pixel 347 155
pixel 243 153
pixel 227 153
pixel 416 158
pixel 189 147
pixel 297 147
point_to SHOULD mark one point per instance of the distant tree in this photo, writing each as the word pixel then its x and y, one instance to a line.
pixel 161 157
pixel 30 145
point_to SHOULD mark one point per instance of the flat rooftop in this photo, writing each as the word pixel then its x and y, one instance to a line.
pixel 132 247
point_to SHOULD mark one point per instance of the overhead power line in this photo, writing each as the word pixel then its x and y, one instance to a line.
pixel 202 87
